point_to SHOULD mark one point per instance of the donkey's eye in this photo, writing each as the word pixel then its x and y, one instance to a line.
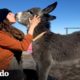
pixel 31 12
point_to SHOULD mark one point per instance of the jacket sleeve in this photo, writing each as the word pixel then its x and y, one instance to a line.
pixel 14 44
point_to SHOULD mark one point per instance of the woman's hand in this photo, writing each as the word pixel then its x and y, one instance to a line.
pixel 33 23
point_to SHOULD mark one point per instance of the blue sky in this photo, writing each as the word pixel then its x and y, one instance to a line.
pixel 67 12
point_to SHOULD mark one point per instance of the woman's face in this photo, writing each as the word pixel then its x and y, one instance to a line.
pixel 11 17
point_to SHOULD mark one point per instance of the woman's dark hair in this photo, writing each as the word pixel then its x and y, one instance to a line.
pixel 7 26
pixel 4 24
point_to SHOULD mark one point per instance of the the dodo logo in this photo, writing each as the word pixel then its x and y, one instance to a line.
pixel 4 73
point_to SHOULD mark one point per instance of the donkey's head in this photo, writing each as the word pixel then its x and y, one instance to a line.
pixel 23 17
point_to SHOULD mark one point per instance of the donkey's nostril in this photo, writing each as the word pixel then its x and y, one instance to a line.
pixel 15 14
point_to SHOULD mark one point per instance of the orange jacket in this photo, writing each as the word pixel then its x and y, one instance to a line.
pixel 8 43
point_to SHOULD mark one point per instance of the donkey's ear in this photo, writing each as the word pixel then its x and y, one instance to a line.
pixel 51 17
pixel 50 8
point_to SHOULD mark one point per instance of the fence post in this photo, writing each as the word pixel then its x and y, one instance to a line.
pixel 67 28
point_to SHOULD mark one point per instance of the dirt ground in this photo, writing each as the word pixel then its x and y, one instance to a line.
pixel 28 61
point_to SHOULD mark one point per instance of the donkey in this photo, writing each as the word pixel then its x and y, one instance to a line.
pixel 55 54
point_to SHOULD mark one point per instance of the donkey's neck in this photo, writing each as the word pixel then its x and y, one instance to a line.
pixel 42 27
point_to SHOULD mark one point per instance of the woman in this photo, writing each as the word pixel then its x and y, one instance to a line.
pixel 10 39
